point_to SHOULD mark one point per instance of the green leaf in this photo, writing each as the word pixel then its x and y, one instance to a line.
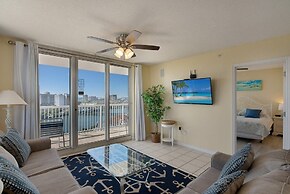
pixel 153 99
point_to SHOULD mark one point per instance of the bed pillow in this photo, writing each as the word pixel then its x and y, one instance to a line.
pixel 228 184
pixel 253 113
pixel 241 160
pixel 16 145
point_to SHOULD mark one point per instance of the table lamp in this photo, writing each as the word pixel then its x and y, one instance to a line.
pixel 9 98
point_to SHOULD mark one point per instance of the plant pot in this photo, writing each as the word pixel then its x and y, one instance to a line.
pixel 155 137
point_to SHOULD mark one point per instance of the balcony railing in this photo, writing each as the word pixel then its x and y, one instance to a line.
pixel 90 117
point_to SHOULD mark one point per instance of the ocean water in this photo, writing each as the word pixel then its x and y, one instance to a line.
pixel 92 119
pixel 193 98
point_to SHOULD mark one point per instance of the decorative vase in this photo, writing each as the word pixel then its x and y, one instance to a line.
pixel 155 137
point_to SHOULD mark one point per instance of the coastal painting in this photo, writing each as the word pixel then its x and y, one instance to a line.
pixel 195 91
pixel 249 85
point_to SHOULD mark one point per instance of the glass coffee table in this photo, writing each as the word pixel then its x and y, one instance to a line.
pixel 120 161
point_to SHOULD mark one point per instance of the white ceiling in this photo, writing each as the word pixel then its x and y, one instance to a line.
pixel 180 27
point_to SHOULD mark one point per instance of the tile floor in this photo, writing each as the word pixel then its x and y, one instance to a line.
pixel 186 159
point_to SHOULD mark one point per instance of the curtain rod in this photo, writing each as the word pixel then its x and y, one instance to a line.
pixel 65 51
pixel 12 42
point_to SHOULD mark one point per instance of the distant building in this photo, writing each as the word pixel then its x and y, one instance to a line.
pixel 46 99
pixel 92 98
pixel 66 99
pixel 113 97
pixel 59 100
pixel 85 98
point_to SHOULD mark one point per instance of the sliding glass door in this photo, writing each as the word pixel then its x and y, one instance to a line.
pixel 81 100
pixel 54 99
pixel 91 102
pixel 119 101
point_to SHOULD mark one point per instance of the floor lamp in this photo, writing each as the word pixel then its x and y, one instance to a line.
pixel 10 98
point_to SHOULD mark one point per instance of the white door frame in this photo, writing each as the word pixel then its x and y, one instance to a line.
pixel 286 97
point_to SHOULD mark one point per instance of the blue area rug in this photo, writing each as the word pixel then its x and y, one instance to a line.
pixel 161 177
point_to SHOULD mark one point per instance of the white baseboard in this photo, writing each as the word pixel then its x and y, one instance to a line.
pixel 211 152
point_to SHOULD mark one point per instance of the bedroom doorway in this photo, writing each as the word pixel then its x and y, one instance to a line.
pixel 261 89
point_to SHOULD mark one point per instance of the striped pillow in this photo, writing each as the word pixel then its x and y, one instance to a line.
pixel 241 160
pixel 16 146
pixel 14 179
pixel 228 184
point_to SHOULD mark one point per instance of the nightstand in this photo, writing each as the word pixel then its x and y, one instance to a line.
pixel 278 126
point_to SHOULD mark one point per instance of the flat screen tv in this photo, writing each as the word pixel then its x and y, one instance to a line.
pixel 193 91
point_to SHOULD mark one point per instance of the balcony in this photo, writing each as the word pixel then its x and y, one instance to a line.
pixel 55 123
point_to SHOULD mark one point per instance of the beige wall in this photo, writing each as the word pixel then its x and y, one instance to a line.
pixel 6 72
pixel 272 86
pixel 203 126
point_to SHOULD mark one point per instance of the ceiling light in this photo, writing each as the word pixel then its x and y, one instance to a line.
pixel 119 52
pixel 128 53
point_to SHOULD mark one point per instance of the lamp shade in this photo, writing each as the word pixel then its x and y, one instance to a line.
pixel 280 106
pixel 119 52
pixel 128 53
pixel 10 97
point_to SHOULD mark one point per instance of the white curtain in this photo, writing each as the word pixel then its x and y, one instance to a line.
pixel 25 84
pixel 140 134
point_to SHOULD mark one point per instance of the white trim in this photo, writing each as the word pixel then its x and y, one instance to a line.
pixel 286 97
pixel 286 110
pixel 234 108
pixel 211 152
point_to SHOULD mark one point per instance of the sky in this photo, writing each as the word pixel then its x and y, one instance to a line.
pixel 56 81
pixel 196 85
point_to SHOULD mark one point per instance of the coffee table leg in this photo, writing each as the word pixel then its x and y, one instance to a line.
pixel 122 183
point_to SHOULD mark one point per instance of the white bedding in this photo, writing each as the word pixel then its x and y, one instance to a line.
pixel 253 128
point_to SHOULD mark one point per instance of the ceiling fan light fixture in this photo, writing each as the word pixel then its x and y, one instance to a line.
pixel 128 53
pixel 119 52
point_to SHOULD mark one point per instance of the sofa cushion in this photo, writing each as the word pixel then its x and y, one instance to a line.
pixel 85 190
pixel 276 181
pixel 267 162
pixel 228 184
pixel 204 180
pixel 41 162
pixel 4 153
pixel 14 179
pixel 241 160
pixel 55 181
pixel 187 190
pixel 16 145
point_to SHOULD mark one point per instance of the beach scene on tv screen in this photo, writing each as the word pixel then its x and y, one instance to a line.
pixel 196 91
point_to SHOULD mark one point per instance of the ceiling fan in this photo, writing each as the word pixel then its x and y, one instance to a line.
pixel 124 44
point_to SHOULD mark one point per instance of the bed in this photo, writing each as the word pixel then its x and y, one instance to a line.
pixel 253 128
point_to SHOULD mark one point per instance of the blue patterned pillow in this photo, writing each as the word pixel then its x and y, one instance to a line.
pixel 241 160
pixel 228 184
pixel 14 179
pixel 16 146
pixel 253 113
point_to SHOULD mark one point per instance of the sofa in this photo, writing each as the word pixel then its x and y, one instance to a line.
pixel 45 169
pixel 268 174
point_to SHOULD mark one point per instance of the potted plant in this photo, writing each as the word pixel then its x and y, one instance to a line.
pixel 153 99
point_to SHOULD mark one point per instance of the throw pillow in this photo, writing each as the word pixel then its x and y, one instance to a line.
pixel 1 186
pixel 16 145
pixel 228 184
pixel 8 156
pixel 241 160
pixel 14 179
pixel 253 113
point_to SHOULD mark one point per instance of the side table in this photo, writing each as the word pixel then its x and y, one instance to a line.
pixel 167 125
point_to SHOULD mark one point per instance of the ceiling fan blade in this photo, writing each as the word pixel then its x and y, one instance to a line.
pixel 106 50
pixel 101 39
pixel 146 47
pixel 134 55
pixel 133 36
